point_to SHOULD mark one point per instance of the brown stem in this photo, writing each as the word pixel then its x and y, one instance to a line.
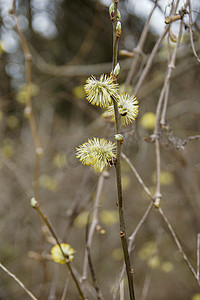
pixel 118 171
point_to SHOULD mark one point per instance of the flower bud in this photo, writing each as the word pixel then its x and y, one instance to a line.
pixel 111 10
pixel 119 137
pixel 33 202
pixel 116 70
pixel 119 29
pixel 119 26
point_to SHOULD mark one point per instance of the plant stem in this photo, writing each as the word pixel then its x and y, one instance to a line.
pixel 118 170
pixel 18 281
pixel 51 229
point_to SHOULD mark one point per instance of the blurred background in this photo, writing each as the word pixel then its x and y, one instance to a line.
pixel 69 41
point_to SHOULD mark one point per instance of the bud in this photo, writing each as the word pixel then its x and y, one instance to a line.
pixel 116 70
pixel 157 203
pixel 39 151
pixel 119 28
pixel 33 202
pixel 111 10
pixel 118 15
pixel 119 137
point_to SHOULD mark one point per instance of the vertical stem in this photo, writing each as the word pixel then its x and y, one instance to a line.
pixel 118 170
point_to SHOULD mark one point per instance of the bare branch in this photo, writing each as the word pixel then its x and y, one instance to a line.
pixel 18 281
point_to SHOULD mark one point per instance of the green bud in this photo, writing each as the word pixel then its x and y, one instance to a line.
pixel 119 137
pixel 118 15
pixel 119 26
pixel 116 70
pixel 111 9
pixel 33 202
pixel 112 12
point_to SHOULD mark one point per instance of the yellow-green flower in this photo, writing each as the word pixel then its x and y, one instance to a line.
pixel 97 153
pixel 99 92
pixel 57 255
pixel 128 108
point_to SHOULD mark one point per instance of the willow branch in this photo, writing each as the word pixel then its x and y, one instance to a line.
pixel 150 60
pixel 94 223
pixel 53 233
pixel 29 108
pixel 171 66
pixel 198 255
pixel 139 48
pixel 191 33
pixel 18 281
pixel 118 169
pixel 173 234
pixel 130 246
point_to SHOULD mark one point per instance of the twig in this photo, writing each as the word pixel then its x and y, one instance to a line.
pixel 138 227
pixel 165 88
pixel 122 290
pixel 118 168
pixel 150 61
pixel 137 175
pixel 168 225
pixel 139 48
pixel 65 289
pixel 191 33
pixel 29 108
pixel 178 245
pixel 53 233
pixel 198 255
pixel 18 281
pixel 146 285
pixel 92 228
pixel 130 246
pixel 96 286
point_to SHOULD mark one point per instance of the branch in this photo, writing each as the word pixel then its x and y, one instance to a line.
pixel 54 235
pixel 191 33
pixel 29 108
pixel 173 234
pixel 93 226
pixel 129 271
pixel 139 48
pixel 18 281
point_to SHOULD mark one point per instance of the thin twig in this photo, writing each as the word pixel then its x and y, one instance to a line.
pixel 65 289
pixel 118 169
pixel 53 233
pixel 139 48
pixel 146 285
pixel 138 227
pixel 198 255
pixel 171 66
pixel 29 108
pixel 122 290
pixel 130 246
pixel 191 33
pixel 168 225
pixel 178 245
pixel 150 60
pixel 18 281
pixel 92 228
pixel 137 175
